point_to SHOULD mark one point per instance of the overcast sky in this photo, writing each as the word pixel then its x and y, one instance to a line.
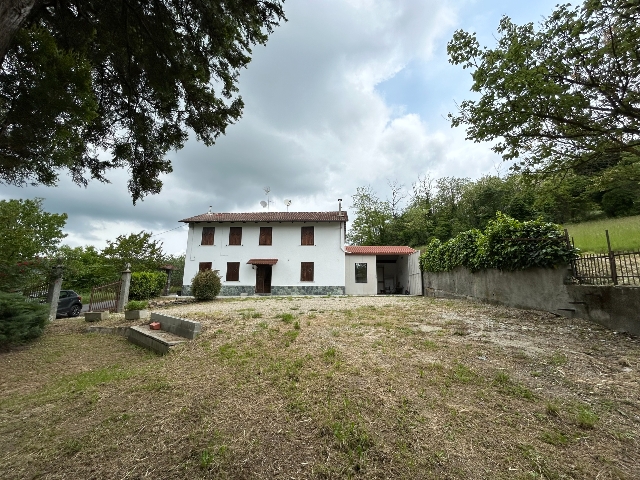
pixel 347 93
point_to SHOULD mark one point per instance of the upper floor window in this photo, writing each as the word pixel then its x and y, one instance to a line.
pixel 361 273
pixel 235 236
pixel 307 236
pixel 265 236
pixel 207 235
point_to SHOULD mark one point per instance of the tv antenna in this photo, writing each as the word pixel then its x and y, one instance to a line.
pixel 287 202
pixel 262 202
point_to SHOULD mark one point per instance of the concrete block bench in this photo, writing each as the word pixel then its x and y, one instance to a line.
pixel 173 331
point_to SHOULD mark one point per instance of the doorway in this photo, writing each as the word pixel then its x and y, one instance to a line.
pixel 263 278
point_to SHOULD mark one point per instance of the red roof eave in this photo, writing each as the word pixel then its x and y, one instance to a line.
pixel 262 261
pixel 380 250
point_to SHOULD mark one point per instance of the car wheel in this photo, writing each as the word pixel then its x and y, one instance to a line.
pixel 75 310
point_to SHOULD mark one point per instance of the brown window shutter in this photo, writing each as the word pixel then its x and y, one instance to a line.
pixel 307 236
pixel 235 236
pixel 202 266
pixel 265 236
pixel 306 272
pixel 208 234
pixel 233 271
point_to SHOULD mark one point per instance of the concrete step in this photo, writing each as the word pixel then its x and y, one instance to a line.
pixel 159 341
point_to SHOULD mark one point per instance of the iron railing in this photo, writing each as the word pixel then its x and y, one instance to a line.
pixel 37 293
pixel 611 268
pixel 105 297
pixel 615 268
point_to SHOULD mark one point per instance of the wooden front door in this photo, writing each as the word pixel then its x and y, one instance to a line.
pixel 263 278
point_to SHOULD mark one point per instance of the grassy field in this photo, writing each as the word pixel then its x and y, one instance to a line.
pixel 590 236
pixel 397 387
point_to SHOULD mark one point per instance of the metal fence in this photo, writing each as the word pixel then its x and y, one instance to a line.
pixel 37 293
pixel 615 268
pixel 105 297
pixel 612 268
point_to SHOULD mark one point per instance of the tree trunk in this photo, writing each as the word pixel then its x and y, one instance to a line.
pixel 13 13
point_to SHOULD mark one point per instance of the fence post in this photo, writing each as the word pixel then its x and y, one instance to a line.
pixel 124 288
pixel 572 266
pixel 53 294
pixel 612 260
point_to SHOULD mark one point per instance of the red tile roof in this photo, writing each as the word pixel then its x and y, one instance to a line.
pixel 262 261
pixel 380 250
pixel 270 217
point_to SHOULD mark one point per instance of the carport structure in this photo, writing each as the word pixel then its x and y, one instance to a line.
pixel 371 270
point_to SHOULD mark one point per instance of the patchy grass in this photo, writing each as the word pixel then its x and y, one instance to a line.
pixel 393 387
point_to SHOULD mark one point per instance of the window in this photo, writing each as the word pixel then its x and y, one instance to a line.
pixel 306 271
pixel 202 266
pixel 361 273
pixel 307 236
pixel 207 235
pixel 265 236
pixel 233 272
pixel 235 236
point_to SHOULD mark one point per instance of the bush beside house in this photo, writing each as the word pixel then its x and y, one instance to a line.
pixel 206 285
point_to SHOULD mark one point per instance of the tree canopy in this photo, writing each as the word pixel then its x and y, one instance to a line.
pixel 88 86
pixel 27 235
pixel 563 96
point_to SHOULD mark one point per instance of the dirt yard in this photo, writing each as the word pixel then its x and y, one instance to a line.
pixel 332 387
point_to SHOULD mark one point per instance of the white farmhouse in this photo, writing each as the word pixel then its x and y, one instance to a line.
pixel 294 253
pixel 282 253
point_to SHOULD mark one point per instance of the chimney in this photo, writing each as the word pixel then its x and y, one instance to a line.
pixel 210 208
pixel 340 206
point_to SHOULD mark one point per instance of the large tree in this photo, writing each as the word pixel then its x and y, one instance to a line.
pixel 563 96
pixel 88 86
pixel 28 235
pixel 136 249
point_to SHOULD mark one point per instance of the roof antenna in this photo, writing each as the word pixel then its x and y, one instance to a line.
pixel 266 192
pixel 287 202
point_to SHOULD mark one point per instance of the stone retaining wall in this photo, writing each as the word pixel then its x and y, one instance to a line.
pixel 617 308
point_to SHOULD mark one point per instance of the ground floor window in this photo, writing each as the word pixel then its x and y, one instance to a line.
pixel 361 273
pixel 306 272
pixel 202 266
pixel 233 272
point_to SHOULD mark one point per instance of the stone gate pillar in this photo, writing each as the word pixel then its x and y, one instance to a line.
pixel 124 288
pixel 53 294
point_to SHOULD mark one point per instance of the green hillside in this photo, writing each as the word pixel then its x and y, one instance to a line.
pixel 590 236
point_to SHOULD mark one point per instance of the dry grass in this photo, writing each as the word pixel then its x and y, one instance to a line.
pixel 394 387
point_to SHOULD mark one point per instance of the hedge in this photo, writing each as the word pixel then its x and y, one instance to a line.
pixel 505 244
pixel 145 285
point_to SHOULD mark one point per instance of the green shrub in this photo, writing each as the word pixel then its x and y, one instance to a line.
pixel 145 285
pixel 20 320
pixel 206 285
pixel 505 244
pixel 136 305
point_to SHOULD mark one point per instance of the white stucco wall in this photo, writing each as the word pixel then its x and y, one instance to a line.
pixel 353 288
pixel 327 253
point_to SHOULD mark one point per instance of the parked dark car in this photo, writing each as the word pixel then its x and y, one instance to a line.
pixel 70 304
